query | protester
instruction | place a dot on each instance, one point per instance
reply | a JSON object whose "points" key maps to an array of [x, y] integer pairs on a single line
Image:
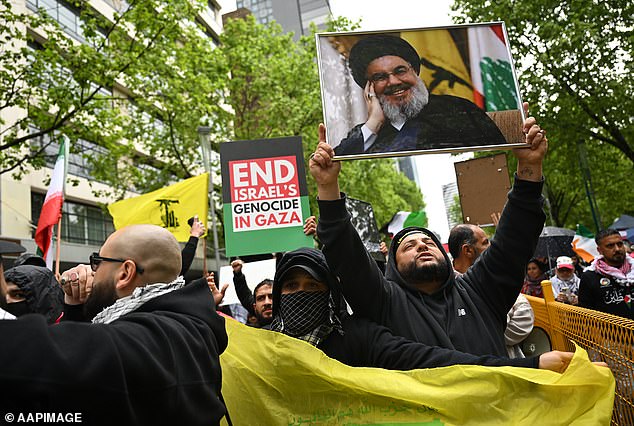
{"points": [[419, 298], [466, 244], [188, 253], [259, 302], [535, 274], [308, 305], [402, 114], [607, 284], [32, 289], [565, 283], [150, 355]]}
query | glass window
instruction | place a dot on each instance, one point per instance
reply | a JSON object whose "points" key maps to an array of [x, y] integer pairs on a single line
{"points": [[81, 223]]}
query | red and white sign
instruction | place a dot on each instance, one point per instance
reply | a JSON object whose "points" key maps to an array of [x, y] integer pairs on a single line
{"points": [[265, 193]]}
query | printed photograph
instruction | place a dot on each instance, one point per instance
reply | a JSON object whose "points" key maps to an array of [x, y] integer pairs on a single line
{"points": [[425, 90]]}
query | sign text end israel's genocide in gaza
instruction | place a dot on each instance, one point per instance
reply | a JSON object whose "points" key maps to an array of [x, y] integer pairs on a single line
{"points": [[265, 193]]}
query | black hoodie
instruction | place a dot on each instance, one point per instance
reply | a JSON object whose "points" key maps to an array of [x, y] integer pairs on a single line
{"points": [[42, 292], [363, 343], [157, 365], [467, 313]]}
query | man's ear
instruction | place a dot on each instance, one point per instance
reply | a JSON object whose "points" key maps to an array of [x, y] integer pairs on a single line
{"points": [[126, 278], [466, 250], [254, 308]]}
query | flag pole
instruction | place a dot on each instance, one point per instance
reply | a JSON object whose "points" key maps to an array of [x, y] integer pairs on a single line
{"points": [[58, 246], [205, 272]]}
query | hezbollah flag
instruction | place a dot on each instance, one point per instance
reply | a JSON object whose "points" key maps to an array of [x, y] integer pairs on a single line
{"points": [[269, 378], [169, 207], [492, 75], [442, 68]]}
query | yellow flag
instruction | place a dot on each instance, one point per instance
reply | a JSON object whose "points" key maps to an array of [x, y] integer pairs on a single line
{"points": [[442, 67], [272, 379], [169, 207]]}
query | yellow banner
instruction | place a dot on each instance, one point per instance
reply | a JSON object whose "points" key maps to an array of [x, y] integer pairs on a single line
{"points": [[169, 207], [442, 67], [272, 379]]}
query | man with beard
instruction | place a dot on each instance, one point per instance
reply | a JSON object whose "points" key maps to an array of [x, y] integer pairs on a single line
{"points": [[466, 243], [259, 303], [419, 297], [308, 306], [402, 115], [607, 284], [150, 355]]}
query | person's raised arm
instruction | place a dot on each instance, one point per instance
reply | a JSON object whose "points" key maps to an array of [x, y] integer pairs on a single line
{"points": [[499, 273], [362, 281], [244, 293]]}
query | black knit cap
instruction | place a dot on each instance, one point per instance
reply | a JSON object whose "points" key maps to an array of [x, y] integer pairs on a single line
{"points": [[369, 48]]}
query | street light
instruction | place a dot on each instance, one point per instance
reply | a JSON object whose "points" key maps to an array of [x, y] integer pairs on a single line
{"points": [[205, 146]]}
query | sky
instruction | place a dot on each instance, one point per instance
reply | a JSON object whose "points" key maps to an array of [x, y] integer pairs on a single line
{"points": [[434, 170]]}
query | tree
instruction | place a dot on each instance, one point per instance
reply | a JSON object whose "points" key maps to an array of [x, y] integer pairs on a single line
{"points": [[272, 89], [575, 68], [128, 83]]}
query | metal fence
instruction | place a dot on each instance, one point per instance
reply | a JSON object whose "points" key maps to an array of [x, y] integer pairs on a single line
{"points": [[605, 337]]}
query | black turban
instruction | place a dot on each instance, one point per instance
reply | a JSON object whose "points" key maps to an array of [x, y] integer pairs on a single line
{"points": [[369, 48]]}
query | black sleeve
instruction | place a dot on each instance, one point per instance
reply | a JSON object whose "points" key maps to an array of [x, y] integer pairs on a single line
{"points": [[74, 313], [352, 143], [188, 253], [245, 295], [382, 349], [587, 294], [362, 282], [498, 275]]}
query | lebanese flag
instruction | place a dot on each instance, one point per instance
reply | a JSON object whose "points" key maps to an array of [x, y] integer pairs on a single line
{"points": [[52, 208], [491, 71]]}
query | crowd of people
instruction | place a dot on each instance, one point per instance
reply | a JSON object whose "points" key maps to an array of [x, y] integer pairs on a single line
{"points": [[125, 340], [605, 285]]}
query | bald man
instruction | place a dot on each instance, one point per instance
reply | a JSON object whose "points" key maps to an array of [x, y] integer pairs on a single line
{"points": [[149, 356]]}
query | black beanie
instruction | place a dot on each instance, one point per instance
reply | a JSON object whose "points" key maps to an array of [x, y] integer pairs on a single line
{"points": [[369, 48]]}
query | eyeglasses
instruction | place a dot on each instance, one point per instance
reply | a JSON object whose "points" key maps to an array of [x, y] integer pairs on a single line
{"points": [[398, 72], [95, 261]]}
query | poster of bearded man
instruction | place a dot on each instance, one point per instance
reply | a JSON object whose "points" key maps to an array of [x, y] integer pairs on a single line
{"points": [[416, 91]]}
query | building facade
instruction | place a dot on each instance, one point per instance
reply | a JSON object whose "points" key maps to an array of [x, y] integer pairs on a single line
{"points": [[85, 223]]}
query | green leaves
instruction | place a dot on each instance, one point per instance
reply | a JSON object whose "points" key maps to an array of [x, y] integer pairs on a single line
{"points": [[575, 67]]}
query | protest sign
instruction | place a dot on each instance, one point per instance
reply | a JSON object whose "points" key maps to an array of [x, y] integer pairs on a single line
{"points": [[265, 197]]}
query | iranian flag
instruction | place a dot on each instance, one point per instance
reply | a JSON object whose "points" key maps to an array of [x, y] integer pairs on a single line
{"points": [[491, 71], [583, 244], [52, 208], [405, 219]]}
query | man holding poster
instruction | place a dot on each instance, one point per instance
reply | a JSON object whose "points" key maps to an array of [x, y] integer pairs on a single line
{"points": [[402, 114], [419, 297]]}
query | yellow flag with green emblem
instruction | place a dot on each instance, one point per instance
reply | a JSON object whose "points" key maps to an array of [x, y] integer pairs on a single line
{"points": [[272, 379], [169, 207]]}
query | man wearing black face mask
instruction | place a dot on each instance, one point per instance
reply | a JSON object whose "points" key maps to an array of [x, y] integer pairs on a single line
{"points": [[32, 289], [307, 305], [6, 247]]}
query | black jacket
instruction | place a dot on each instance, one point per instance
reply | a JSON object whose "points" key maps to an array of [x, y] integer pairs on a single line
{"points": [[445, 122], [363, 343], [158, 365], [605, 294], [367, 344], [467, 313]]}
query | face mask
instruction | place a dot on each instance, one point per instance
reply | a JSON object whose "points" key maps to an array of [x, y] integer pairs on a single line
{"points": [[303, 311], [18, 308]]}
